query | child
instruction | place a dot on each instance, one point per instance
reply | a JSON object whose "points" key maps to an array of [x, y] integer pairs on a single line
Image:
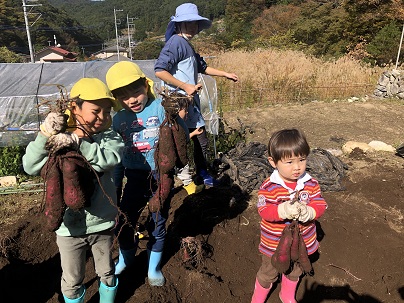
{"points": [[138, 124], [184, 174], [178, 66], [91, 226], [288, 151]]}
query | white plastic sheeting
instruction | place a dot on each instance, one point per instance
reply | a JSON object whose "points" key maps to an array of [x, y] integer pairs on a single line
{"points": [[23, 86], [208, 97]]}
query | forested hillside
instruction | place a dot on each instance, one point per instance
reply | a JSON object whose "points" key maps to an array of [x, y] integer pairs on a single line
{"points": [[151, 16], [367, 30], [45, 22]]}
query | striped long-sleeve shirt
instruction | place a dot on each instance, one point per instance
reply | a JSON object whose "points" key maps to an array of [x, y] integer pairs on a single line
{"points": [[274, 191]]}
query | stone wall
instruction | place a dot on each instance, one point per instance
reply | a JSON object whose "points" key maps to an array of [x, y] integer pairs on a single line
{"points": [[390, 84]]}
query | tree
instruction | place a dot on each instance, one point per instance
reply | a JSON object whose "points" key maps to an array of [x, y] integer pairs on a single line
{"points": [[238, 19], [7, 56], [384, 47], [276, 20], [148, 49]]}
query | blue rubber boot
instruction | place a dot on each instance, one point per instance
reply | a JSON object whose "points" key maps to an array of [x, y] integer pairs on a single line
{"points": [[155, 276], [126, 259], [77, 300], [208, 179], [108, 293]]}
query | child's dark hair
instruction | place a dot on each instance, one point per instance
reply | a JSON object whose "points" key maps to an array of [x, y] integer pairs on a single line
{"points": [[183, 102], [131, 86], [286, 143]]}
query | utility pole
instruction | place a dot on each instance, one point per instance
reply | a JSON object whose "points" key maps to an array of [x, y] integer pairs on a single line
{"points": [[131, 24], [399, 48], [116, 30], [24, 6]]}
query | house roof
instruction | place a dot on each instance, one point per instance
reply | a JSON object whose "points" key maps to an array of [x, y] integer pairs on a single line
{"points": [[111, 49], [69, 56]]}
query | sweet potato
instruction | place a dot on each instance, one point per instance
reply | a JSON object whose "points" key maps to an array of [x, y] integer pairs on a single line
{"points": [[165, 156], [54, 204], [78, 185], [294, 249], [180, 141], [163, 190], [281, 258], [304, 260]]}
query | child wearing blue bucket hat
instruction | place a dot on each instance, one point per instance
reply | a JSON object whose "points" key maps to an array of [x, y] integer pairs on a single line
{"points": [[178, 66]]}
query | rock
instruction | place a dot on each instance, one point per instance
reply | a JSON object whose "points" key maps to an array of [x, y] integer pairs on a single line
{"points": [[349, 146], [335, 152], [381, 146], [8, 181], [383, 80]]}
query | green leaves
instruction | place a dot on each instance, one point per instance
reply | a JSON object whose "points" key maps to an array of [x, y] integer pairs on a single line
{"points": [[384, 47], [11, 160], [7, 56]]}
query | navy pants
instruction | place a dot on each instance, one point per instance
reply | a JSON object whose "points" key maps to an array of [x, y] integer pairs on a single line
{"points": [[138, 190], [200, 150]]}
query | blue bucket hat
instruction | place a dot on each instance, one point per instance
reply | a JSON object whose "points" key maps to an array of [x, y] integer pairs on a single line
{"points": [[187, 12]]}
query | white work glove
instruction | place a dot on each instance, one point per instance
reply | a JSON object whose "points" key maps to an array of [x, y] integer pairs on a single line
{"points": [[286, 210], [307, 213], [54, 123], [63, 140]]}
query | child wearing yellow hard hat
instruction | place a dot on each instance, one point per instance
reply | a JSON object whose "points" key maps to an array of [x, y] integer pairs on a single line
{"points": [[138, 123], [90, 227]]}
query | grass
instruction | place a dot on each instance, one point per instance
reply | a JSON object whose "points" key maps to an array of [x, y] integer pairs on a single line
{"points": [[278, 77]]}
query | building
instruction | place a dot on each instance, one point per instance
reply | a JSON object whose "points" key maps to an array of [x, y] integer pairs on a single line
{"points": [[53, 54], [111, 52]]}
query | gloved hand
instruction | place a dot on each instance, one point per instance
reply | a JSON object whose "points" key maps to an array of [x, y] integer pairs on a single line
{"points": [[54, 123], [307, 213], [286, 210], [62, 140]]}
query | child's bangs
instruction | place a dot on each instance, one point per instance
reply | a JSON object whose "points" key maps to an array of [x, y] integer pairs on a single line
{"points": [[292, 151]]}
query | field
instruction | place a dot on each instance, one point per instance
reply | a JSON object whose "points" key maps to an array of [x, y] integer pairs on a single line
{"points": [[361, 234]]}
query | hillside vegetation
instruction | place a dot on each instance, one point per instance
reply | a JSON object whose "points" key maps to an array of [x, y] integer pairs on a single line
{"points": [[46, 23], [366, 30]]}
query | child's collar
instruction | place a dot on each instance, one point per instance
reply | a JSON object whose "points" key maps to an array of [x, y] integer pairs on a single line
{"points": [[276, 178]]}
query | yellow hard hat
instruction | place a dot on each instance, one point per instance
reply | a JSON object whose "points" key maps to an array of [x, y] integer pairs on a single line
{"points": [[91, 89], [124, 73]]}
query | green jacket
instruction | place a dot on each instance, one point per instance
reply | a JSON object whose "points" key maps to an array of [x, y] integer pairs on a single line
{"points": [[103, 154]]}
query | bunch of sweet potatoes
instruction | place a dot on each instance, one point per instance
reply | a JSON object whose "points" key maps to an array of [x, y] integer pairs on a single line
{"points": [[291, 249], [171, 152], [69, 182]]}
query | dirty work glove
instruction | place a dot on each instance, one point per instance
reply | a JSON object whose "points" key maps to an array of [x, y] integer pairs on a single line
{"points": [[54, 123], [286, 210], [307, 213], [62, 140]]}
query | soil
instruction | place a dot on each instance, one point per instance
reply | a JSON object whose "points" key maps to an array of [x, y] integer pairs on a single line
{"points": [[361, 234]]}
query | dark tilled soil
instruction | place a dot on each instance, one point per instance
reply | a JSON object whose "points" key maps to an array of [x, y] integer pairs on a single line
{"points": [[361, 234]]}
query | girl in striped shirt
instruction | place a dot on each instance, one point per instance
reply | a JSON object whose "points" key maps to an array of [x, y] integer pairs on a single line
{"points": [[288, 150]]}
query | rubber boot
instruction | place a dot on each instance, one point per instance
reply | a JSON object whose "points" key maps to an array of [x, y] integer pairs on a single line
{"points": [[192, 188], [288, 290], [208, 179], [77, 300], [260, 293], [108, 293], [126, 259], [155, 276]]}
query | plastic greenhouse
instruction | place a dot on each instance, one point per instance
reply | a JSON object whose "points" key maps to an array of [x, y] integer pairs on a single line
{"points": [[24, 86]]}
